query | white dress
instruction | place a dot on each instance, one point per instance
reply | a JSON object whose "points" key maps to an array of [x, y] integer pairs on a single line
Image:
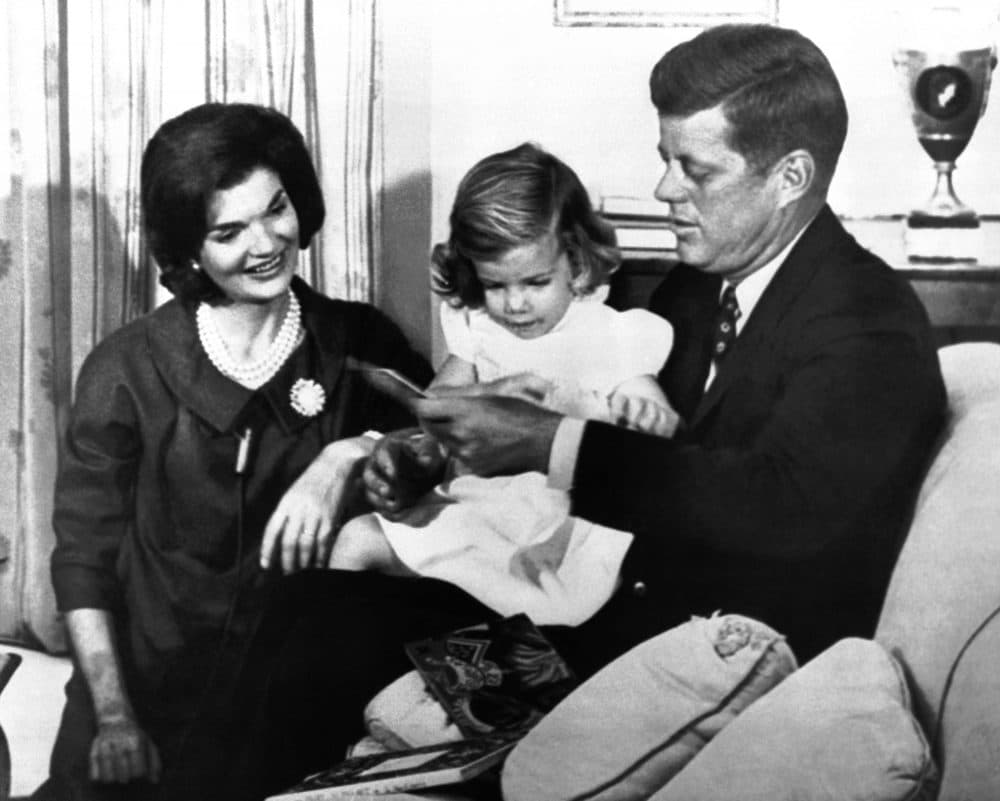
{"points": [[510, 541]]}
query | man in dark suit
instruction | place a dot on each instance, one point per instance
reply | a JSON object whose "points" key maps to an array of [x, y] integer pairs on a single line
{"points": [[803, 368]]}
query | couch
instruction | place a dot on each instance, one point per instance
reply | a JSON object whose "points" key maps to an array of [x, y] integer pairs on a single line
{"points": [[938, 639], [8, 664], [913, 715], [941, 617]]}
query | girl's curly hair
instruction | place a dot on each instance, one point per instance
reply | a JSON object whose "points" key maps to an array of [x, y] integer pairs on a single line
{"points": [[511, 199]]}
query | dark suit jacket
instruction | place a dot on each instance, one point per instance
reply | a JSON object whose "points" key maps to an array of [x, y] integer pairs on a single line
{"points": [[786, 495]]}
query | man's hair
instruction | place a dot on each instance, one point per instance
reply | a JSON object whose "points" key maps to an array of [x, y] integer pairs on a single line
{"points": [[208, 148], [776, 88], [511, 199]]}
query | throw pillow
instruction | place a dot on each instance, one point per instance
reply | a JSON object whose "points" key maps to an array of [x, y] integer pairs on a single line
{"points": [[839, 729], [628, 729]]}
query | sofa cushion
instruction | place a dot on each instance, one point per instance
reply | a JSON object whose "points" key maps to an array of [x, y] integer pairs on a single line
{"points": [[629, 728], [946, 583], [837, 729]]}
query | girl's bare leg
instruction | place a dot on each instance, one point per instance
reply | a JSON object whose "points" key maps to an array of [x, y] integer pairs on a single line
{"points": [[362, 545]]}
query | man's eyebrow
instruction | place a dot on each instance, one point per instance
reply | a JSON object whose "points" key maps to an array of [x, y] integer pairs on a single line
{"points": [[233, 224]]}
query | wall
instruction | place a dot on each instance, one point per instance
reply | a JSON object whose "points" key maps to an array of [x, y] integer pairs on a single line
{"points": [[501, 72], [401, 290]]}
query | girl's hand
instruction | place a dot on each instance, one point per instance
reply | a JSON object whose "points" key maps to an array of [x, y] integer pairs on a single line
{"points": [[122, 752], [300, 532], [642, 414]]}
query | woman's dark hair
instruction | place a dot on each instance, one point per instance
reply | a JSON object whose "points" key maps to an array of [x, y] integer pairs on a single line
{"points": [[207, 148], [777, 89], [511, 199]]}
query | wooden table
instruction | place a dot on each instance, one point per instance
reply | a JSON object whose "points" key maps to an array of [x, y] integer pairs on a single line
{"points": [[962, 298]]}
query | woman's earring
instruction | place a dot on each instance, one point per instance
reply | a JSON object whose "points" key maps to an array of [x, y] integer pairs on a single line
{"points": [[195, 266]]}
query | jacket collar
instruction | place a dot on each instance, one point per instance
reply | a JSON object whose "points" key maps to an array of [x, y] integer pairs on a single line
{"points": [[792, 277], [222, 403]]}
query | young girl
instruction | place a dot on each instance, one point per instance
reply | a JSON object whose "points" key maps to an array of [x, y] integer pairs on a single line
{"points": [[523, 276]]}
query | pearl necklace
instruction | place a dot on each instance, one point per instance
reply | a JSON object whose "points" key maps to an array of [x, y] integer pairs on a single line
{"points": [[253, 374]]}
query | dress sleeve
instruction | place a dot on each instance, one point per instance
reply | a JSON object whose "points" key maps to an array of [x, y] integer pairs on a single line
{"points": [[644, 341], [94, 493], [457, 334]]}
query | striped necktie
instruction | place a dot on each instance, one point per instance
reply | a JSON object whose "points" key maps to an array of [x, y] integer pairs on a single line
{"points": [[725, 324]]}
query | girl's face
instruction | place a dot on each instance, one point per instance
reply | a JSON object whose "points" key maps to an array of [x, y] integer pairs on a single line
{"points": [[252, 243], [528, 289]]}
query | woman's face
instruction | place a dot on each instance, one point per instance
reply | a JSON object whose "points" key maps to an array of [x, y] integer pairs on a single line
{"points": [[252, 243]]}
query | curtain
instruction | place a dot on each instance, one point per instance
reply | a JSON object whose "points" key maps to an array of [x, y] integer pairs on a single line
{"points": [[87, 82]]}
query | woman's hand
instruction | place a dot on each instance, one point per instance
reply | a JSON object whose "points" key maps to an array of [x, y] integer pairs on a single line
{"points": [[642, 414], [300, 532], [122, 752]]}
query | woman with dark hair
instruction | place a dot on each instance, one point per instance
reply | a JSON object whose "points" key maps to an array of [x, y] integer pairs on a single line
{"points": [[185, 490]]}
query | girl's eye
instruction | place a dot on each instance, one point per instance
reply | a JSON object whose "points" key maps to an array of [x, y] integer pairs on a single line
{"points": [[279, 207], [540, 282]]}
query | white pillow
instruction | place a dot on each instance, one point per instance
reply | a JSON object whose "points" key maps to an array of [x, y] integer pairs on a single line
{"points": [[838, 729], [626, 731]]}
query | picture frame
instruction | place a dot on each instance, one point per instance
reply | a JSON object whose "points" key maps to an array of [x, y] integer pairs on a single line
{"points": [[661, 13]]}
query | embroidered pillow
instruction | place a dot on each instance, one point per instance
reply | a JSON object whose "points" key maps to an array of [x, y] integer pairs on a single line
{"points": [[625, 732]]}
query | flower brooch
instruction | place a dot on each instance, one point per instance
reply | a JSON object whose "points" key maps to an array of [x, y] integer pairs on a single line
{"points": [[307, 397]]}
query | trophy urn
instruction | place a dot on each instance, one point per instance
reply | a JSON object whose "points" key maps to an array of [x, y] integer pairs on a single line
{"points": [[947, 83]]}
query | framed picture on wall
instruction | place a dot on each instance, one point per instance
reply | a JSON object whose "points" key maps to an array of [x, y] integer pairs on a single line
{"points": [[700, 13]]}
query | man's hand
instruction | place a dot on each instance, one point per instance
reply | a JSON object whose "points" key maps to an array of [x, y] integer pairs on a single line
{"points": [[122, 752], [301, 530], [523, 385], [491, 435], [404, 466]]}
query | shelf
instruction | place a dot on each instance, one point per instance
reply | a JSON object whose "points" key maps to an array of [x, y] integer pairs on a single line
{"points": [[885, 236]]}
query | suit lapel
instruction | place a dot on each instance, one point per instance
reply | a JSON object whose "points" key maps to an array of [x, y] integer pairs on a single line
{"points": [[689, 303], [752, 345]]}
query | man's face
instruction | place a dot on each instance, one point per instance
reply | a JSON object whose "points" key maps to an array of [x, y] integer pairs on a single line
{"points": [[723, 211]]}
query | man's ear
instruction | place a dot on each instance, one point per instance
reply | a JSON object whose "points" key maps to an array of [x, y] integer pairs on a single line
{"points": [[795, 173]]}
